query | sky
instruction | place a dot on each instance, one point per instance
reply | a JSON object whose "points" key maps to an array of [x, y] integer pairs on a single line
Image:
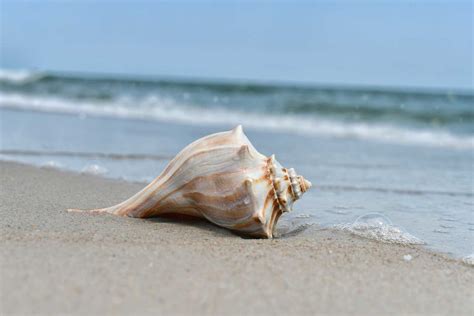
{"points": [[378, 43]]}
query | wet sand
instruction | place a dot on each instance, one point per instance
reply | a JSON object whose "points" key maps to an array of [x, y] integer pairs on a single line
{"points": [[55, 262]]}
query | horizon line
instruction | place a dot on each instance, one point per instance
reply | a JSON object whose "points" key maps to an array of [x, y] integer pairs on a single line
{"points": [[243, 81]]}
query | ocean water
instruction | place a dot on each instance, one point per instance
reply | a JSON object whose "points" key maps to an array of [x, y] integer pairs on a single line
{"points": [[389, 164]]}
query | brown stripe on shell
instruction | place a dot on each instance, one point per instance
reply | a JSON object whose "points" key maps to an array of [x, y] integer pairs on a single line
{"points": [[209, 141], [189, 186], [290, 191], [276, 185], [274, 219], [149, 191], [242, 226], [302, 184]]}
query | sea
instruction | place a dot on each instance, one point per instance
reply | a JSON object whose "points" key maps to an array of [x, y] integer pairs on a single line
{"points": [[391, 164]]}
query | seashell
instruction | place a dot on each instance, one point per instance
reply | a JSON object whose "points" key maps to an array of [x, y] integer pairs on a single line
{"points": [[223, 179]]}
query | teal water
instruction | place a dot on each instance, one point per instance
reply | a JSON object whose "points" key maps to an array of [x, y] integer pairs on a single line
{"points": [[433, 118]]}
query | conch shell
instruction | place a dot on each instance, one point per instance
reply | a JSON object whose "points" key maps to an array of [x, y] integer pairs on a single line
{"points": [[223, 179]]}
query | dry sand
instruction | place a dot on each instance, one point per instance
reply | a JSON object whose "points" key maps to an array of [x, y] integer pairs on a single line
{"points": [[54, 262]]}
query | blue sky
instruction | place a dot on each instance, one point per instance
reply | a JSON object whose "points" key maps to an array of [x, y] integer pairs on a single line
{"points": [[381, 43]]}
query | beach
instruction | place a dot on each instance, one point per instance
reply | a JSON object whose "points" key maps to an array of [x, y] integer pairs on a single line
{"points": [[55, 262], [402, 154], [343, 130]]}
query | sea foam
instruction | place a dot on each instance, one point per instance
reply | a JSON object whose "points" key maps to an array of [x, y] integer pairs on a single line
{"points": [[469, 260], [94, 169], [168, 109], [378, 227]]}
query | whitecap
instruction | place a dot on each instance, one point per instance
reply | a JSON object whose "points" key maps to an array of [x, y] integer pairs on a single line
{"points": [[19, 76], [168, 109]]}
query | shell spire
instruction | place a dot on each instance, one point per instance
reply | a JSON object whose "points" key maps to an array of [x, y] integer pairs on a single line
{"points": [[224, 179]]}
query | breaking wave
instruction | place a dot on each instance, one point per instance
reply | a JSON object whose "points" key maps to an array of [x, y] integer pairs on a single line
{"points": [[19, 76], [168, 109]]}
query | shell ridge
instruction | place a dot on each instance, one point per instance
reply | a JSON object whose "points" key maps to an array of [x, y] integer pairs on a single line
{"points": [[195, 146], [233, 205], [164, 178]]}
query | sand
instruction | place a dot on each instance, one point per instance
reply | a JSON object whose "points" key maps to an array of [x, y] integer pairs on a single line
{"points": [[55, 262]]}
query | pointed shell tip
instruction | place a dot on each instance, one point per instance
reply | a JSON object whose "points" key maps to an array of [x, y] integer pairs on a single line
{"points": [[238, 129]]}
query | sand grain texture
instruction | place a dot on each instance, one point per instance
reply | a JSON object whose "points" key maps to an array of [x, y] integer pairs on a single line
{"points": [[54, 262]]}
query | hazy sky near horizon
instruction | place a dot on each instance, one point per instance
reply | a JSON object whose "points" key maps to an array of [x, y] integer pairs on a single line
{"points": [[383, 43]]}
